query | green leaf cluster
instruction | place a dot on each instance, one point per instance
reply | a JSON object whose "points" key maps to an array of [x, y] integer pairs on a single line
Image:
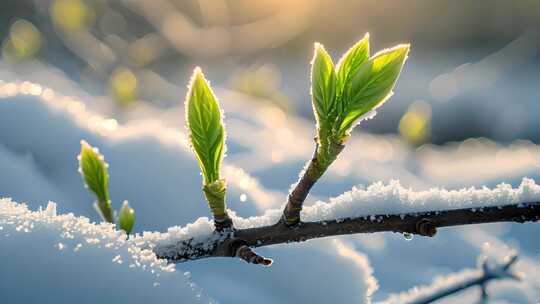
{"points": [[342, 95]]}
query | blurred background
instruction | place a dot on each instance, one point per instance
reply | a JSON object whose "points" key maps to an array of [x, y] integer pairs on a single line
{"points": [[464, 113], [473, 69]]}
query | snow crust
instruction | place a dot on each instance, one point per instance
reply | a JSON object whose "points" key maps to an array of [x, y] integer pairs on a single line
{"points": [[68, 259], [97, 263], [500, 290], [392, 198], [439, 283]]}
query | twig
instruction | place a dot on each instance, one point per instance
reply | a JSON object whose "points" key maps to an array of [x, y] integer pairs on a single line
{"points": [[308, 177], [296, 198], [481, 278], [420, 223]]}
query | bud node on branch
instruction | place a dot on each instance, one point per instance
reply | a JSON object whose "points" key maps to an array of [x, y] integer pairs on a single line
{"points": [[426, 227]]}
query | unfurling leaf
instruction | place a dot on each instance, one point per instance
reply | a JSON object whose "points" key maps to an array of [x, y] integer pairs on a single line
{"points": [[323, 84], [372, 85], [207, 137], [126, 218], [93, 168], [205, 126], [350, 62]]}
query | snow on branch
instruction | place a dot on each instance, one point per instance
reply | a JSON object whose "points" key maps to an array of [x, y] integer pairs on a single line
{"points": [[392, 198], [380, 207], [445, 286]]}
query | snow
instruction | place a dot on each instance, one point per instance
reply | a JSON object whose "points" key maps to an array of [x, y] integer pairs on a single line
{"points": [[132, 272], [440, 283], [377, 199], [387, 199], [67, 259], [392, 198]]}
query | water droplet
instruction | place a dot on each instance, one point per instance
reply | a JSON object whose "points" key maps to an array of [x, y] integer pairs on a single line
{"points": [[243, 197], [408, 236]]}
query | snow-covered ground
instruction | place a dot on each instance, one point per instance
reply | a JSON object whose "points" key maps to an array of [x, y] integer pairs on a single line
{"points": [[50, 258], [152, 167]]}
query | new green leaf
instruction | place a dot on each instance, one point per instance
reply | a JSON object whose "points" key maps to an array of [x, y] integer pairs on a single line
{"points": [[93, 168], [372, 85], [126, 218], [207, 137], [205, 126], [350, 62], [323, 84]]}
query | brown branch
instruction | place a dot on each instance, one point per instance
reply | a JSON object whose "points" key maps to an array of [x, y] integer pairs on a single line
{"points": [[311, 174], [247, 254], [420, 223], [296, 198]]}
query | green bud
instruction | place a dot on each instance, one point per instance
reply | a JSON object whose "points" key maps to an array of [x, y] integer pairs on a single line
{"points": [[126, 219], [205, 125]]}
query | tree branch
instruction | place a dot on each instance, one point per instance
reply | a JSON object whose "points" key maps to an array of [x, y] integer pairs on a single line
{"points": [[226, 244]]}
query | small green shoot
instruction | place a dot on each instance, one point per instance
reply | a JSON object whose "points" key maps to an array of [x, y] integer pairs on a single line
{"points": [[207, 138], [93, 169], [205, 126]]}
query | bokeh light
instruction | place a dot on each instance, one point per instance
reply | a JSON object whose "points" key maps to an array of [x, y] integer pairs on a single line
{"points": [[414, 126], [24, 41], [124, 86], [71, 15]]}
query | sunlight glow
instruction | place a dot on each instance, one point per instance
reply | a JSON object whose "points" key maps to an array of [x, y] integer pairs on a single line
{"points": [[110, 124]]}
